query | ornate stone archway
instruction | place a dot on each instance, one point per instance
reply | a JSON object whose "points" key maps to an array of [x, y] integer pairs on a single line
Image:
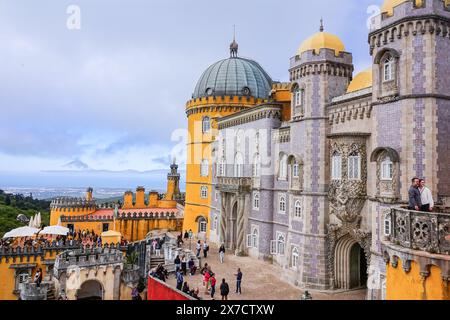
{"points": [[90, 290]]}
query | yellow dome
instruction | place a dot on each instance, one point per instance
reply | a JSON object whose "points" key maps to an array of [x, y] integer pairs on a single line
{"points": [[388, 5], [361, 81], [322, 40]]}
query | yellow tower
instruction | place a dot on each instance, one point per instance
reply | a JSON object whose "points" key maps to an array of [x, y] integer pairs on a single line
{"points": [[226, 87]]}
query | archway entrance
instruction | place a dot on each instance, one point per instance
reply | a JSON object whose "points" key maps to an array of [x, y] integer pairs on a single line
{"points": [[350, 264], [90, 290]]}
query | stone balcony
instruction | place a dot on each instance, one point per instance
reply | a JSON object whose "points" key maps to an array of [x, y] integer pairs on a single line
{"points": [[420, 231], [30, 291], [234, 185]]}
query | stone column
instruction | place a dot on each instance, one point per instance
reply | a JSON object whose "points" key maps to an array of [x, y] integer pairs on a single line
{"points": [[223, 217], [240, 241]]}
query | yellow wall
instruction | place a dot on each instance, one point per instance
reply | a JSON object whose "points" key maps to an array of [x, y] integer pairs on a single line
{"points": [[409, 286], [7, 275]]}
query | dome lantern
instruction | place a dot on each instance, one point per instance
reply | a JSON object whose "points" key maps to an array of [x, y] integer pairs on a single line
{"points": [[322, 40]]}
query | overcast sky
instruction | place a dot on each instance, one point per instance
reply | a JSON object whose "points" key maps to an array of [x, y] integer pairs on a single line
{"points": [[109, 95]]}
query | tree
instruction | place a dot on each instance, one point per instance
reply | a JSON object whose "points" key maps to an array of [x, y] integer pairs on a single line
{"points": [[8, 200]]}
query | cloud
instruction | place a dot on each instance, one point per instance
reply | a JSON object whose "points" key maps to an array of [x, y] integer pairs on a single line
{"points": [[111, 94], [76, 165]]}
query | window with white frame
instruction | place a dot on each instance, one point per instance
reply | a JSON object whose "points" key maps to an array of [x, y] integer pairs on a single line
{"points": [[238, 165], [389, 69], [387, 169], [298, 209], [298, 97], [255, 238], [387, 225], [206, 124], [295, 170], [204, 168], [22, 277], [281, 243], [221, 168], [354, 166], [256, 200], [294, 257], [202, 225], [204, 192], [336, 166], [215, 223], [283, 167], [256, 166], [282, 204]]}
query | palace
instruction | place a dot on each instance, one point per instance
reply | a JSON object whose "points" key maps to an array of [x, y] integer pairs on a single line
{"points": [[136, 216], [313, 174]]}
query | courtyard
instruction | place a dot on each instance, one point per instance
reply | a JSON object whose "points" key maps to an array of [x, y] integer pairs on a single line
{"points": [[261, 280]]}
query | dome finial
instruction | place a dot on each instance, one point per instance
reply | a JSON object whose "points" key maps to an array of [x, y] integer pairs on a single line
{"points": [[234, 46], [321, 25]]}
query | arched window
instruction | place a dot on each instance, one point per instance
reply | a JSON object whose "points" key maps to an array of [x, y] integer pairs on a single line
{"points": [[387, 169], [204, 168], [282, 204], [336, 166], [256, 166], [202, 225], [354, 166], [255, 238], [283, 167], [206, 124], [256, 200], [204, 192], [281, 241], [238, 165], [299, 97], [389, 68], [298, 209], [294, 257], [295, 169]]}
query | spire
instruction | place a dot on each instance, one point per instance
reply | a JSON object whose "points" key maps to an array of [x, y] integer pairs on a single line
{"points": [[321, 25], [234, 46]]}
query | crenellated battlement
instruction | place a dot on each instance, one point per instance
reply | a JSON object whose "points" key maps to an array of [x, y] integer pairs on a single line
{"points": [[86, 258], [213, 101], [72, 203]]}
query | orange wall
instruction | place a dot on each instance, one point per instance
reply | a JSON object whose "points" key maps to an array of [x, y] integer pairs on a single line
{"points": [[409, 286]]}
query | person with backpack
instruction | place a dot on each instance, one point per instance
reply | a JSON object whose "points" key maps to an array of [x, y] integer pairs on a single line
{"points": [[224, 290], [180, 280], [238, 281]]}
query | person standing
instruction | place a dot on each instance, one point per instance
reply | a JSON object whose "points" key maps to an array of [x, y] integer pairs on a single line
{"points": [[154, 245], [191, 265], [206, 278], [177, 263], [414, 196], [180, 280], [186, 235], [191, 234], [38, 277], [426, 197], [238, 281], [224, 290], [222, 253], [212, 280], [205, 249], [199, 248], [158, 248], [184, 264]]}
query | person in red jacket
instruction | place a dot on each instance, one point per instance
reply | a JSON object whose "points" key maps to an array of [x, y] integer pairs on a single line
{"points": [[213, 285]]}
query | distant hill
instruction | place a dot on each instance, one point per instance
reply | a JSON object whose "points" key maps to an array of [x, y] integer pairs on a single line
{"points": [[13, 205]]}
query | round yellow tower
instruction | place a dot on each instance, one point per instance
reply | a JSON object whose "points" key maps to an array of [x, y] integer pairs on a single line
{"points": [[226, 87]]}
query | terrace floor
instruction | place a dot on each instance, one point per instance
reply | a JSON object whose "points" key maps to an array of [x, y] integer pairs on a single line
{"points": [[260, 281]]}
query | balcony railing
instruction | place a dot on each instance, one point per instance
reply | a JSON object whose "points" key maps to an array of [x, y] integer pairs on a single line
{"points": [[233, 184], [423, 231]]}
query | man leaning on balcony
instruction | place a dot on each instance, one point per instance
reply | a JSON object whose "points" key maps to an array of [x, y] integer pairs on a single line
{"points": [[415, 202]]}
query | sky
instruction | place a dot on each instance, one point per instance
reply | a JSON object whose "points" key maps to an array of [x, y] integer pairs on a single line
{"points": [[111, 94]]}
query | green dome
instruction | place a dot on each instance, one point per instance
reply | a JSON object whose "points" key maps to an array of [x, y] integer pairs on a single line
{"points": [[234, 77]]}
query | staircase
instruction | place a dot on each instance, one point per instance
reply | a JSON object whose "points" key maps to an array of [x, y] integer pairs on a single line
{"points": [[51, 291], [155, 261]]}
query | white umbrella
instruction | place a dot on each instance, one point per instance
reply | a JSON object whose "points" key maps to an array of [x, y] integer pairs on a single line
{"points": [[31, 223], [21, 232], [55, 230], [38, 220]]}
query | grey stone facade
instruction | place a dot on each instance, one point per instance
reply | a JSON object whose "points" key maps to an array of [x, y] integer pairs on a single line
{"points": [[404, 120]]}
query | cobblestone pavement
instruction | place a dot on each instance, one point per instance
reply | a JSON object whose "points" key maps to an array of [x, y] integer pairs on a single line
{"points": [[260, 281]]}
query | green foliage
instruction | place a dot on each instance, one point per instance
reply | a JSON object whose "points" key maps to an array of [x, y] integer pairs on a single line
{"points": [[131, 259], [13, 205]]}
